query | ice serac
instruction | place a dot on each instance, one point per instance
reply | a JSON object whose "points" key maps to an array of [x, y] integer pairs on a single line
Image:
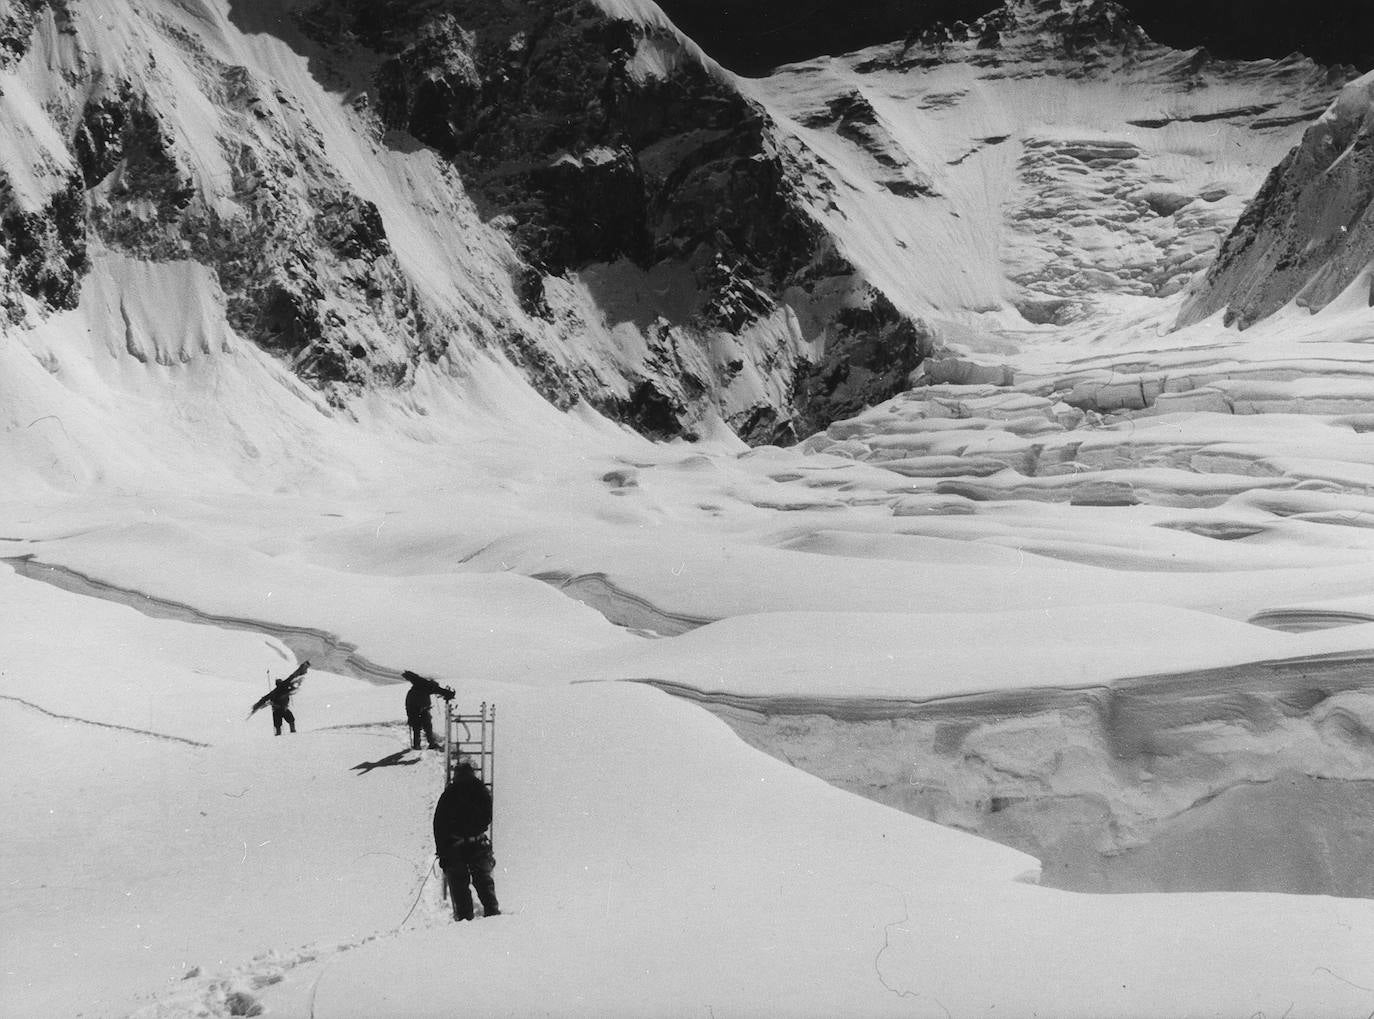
{"points": [[1309, 233]]}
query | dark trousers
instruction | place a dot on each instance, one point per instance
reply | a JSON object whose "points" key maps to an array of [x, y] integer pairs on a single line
{"points": [[471, 863], [423, 725], [280, 715]]}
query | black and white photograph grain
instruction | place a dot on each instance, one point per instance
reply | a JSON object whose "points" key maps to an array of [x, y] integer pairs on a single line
{"points": [[687, 509]]}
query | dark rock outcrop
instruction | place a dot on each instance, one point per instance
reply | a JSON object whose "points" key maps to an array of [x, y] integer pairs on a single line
{"points": [[664, 265], [1088, 35], [870, 355], [306, 272], [42, 250], [599, 141], [540, 106], [17, 18], [42, 253], [99, 142]]}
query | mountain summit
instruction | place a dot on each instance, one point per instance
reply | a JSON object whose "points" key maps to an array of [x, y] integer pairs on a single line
{"points": [[1045, 29]]}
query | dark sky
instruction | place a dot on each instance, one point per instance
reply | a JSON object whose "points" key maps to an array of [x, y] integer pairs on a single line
{"points": [[752, 36]]}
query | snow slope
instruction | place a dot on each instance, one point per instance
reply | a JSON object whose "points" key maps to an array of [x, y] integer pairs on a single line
{"points": [[445, 550], [829, 582], [644, 855]]}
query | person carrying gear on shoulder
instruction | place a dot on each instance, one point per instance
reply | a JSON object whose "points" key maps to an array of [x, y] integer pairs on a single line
{"points": [[280, 699], [418, 714], [461, 819]]}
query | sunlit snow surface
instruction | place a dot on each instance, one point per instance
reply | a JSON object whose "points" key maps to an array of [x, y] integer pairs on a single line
{"points": [[651, 862], [1093, 565]]}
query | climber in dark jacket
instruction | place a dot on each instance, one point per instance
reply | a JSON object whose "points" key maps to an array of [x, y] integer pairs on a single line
{"points": [[461, 819], [418, 711], [280, 698]]}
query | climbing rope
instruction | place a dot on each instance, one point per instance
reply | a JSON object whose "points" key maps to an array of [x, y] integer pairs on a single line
{"points": [[420, 892]]}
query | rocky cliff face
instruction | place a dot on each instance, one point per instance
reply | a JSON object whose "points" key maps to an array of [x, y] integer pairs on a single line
{"points": [[1091, 31], [159, 149], [602, 139], [621, 223], [1309, 233], [16, 28], [612, 149], [42, 245]]}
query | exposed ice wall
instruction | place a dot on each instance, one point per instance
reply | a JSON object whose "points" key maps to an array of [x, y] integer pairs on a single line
{"points": [[1257, 778]]}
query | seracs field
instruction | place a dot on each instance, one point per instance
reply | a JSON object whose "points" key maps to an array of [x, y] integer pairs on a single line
{"points": [[1036, 678]]}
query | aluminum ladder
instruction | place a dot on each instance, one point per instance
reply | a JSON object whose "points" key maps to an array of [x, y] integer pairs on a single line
{"points": [[471, 737]]}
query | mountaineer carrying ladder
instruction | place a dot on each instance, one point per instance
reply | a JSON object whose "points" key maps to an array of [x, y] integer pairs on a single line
{"points": [[280, 699], [463, 815]]}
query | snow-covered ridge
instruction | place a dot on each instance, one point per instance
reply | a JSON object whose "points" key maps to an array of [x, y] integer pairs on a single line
{"points": [[1308, 236]]}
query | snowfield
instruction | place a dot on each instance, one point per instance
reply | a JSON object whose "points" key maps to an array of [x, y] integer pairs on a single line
{"points": [[184, 861], [650, 863], [1043, 689]]}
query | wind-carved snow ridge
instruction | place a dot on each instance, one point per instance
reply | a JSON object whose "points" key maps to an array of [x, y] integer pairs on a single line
{"points": [[1303, 619]]}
